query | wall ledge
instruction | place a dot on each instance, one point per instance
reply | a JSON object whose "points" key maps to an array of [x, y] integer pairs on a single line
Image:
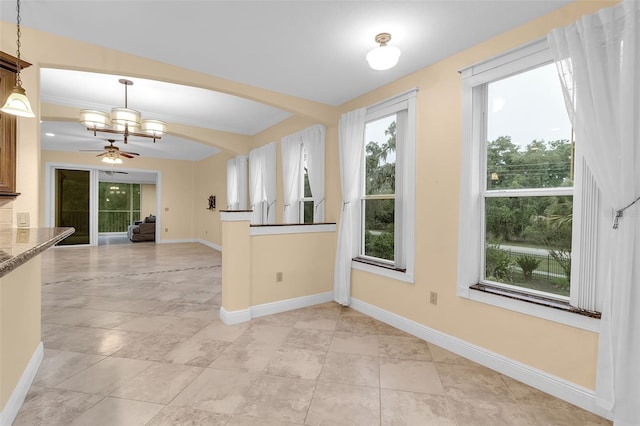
{"points": [[560, 388], [291, 229], [15, 401]]}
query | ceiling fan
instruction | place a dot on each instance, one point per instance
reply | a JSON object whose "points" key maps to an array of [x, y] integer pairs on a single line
{"points": [[113, 172], [111, 154]]}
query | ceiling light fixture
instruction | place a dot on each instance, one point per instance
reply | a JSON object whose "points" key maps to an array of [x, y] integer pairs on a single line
{"points": [[123, 121], [383, 57], [112, 158], [17, 103]]}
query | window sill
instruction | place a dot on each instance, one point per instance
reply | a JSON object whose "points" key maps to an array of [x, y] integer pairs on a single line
{"points": [[381, 269], [539, 307]]}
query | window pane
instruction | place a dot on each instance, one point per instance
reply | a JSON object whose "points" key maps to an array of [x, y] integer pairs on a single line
{"points": [[378, 228], [528, 242], [119, 206], [380, 150], [307, 213], [529, 136]]}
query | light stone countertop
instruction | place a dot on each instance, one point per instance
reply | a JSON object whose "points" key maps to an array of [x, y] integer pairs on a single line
{"points": [[19, 245]]}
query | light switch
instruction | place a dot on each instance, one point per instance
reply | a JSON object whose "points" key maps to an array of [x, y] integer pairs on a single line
{"points": [[23, 220]]}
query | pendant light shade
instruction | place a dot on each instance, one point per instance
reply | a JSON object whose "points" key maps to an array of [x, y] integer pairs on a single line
{"points": [[94, 119], [18, 104], [383, 57], [155, 128], [123, 118]]}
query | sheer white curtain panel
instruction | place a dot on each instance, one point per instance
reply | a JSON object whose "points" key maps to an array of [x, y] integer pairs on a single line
{"points": [[291, 168], [241, 171], [232, 185], [351, 145], [313, 139], [269, 179], [256, 184], [599, 65]]}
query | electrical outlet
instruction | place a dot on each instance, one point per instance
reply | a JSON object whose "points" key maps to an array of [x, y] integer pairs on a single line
{"points": [[166, 229], [278, 277], [433, 298]]}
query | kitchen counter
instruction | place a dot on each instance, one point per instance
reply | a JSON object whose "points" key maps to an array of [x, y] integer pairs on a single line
{"points": [[19, 245]]}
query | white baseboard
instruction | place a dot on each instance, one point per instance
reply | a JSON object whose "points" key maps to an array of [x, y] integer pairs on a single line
{"points": [[210, 244], [15, 401], [236, 317], [181, 240], [553, 385], [290, 304]]}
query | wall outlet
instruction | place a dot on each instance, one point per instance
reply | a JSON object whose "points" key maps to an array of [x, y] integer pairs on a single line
{"points": [[433, 298], [166, 209], [166, 229], [278, 277]]}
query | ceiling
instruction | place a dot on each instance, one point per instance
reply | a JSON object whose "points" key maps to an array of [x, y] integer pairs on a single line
{"points": [[312, 49]]}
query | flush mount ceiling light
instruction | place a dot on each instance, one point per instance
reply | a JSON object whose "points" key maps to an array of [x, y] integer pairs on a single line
{"points": [[123, 121], [383, 57], [17, 103]]}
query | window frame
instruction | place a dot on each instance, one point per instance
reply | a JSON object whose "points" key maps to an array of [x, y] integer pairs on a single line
{"points": [[473, 190], [404, 213], [301, 197]]}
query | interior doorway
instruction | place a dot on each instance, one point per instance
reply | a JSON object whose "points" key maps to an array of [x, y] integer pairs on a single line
{"points": [[101, 204]]}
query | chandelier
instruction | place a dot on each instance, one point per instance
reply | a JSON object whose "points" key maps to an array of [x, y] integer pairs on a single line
{"points": [[122, 121]]}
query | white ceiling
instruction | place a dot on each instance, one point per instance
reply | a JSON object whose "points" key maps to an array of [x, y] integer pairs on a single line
{"points": [[313, 49]]}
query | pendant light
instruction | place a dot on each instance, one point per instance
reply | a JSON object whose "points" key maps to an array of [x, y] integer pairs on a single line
{"points": [[17, 103]]}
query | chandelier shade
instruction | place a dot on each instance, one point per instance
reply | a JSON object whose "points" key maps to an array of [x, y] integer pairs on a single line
{"points": [[155, 128], [94, 119], [123, 121], [123, 118], [383, 57]]}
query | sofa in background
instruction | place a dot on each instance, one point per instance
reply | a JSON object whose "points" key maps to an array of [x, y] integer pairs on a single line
{"points": [[145, 231]]}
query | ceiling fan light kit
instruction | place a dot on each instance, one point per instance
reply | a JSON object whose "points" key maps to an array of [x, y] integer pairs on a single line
{"points": [[123, 121], [383, 57]]}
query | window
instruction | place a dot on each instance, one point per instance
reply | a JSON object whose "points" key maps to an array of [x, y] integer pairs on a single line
{"points": [[306, 197], [520, 163], [119, 206], [387, 193]]}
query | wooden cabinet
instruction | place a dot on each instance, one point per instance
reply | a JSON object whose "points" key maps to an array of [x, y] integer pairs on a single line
{"points": [[8, 127]]}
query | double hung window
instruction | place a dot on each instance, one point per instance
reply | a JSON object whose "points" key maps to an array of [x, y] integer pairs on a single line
{"points": [[517, 232], [387, 193]]}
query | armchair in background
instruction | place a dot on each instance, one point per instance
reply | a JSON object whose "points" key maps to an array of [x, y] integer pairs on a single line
{"points": [[144, 231]]}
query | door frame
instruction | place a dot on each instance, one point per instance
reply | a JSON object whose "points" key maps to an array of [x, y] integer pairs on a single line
{"points": [[50, 196]]}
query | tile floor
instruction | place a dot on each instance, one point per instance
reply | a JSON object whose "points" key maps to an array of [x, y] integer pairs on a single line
{"points": [[132, 337]]}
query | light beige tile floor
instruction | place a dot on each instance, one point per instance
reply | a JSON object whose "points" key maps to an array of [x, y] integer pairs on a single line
{"points": [[132, 337]]}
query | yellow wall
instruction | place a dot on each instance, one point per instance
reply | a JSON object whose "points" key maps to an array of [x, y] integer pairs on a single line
{"points": [[557, 349], [305, 260], [148, 200], [210, 179], [19, 324]]}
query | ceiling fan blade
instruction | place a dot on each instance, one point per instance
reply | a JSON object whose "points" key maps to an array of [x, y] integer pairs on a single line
{"points": [[125, 155], [100, 155], [129, 153], [90, 150]]}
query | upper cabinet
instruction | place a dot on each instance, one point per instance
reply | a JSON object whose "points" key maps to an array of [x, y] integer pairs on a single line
{"points": [[8, 71]]}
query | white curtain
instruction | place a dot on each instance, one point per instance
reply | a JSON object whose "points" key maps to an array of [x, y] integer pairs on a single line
{"points": [[313, 140], [257, 194], [241, 171], [269, 179], [599, 66], [351, 146], [232, 185], [291, 168]]}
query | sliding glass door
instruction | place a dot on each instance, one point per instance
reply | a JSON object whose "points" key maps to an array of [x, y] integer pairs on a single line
{"points": [[73, 204]]}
